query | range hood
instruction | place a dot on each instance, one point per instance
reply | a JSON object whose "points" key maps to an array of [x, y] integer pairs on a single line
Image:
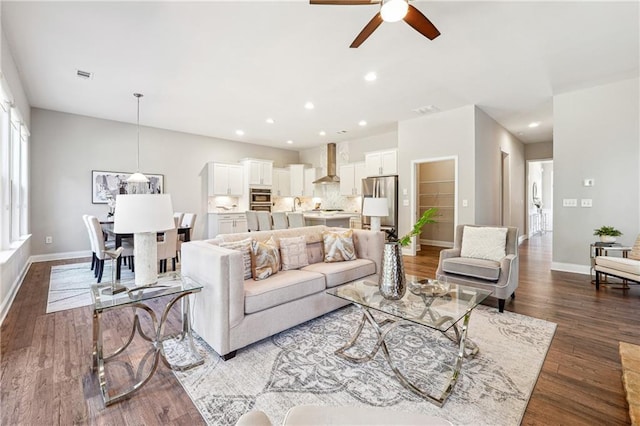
{"points": [[331, 176]]}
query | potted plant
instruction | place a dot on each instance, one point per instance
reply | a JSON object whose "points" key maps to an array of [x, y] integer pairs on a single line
{"points": [[392, 281], [607, 234]]}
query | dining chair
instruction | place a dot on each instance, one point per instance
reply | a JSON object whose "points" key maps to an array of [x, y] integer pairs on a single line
{"points": [[280, 220], [168, 249], [296, 220], [252, 220], [188, 220], [177, 217], [85, 219], [101, 249], [264, 221]]}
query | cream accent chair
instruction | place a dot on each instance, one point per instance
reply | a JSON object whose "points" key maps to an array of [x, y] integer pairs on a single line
{"points": [[626, 268], [309, 415], [498, 276]]}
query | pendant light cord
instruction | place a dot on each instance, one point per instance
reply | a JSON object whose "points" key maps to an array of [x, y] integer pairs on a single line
{"points": [[138, 95]]}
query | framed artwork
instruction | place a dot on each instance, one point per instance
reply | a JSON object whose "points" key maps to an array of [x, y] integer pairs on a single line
{"points": [[106, 185]]}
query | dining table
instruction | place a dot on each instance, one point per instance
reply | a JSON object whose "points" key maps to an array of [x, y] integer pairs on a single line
{"points": [[107, 230]]}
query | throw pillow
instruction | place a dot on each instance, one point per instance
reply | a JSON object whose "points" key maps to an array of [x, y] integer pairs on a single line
{"points": [[635, 250], [265, 260], [484, 243], [245, 247], [338, 246], [293, 252]]}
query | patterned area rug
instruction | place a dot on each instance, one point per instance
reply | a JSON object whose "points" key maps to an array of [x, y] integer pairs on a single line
{"points": [[298, 366], [69, 285]]}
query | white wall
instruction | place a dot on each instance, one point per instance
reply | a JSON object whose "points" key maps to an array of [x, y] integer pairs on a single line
{"points": [[446, 134], [596, 135], [67, 147], [11, 76]]}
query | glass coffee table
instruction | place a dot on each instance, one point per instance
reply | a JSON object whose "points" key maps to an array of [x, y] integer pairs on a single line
{"points": [[446, 310]]}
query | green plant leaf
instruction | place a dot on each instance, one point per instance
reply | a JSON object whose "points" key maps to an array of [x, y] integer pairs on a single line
{"points": [[427, 217]]}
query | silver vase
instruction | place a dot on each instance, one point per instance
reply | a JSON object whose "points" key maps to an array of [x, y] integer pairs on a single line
{"points": [[392, 283]]}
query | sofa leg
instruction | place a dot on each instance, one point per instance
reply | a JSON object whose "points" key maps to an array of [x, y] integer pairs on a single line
{"points": [[500, 305], [597, 280], [228, 356], [513, 295]]}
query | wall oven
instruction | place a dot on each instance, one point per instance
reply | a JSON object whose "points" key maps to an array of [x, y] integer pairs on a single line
{"points": [[260, 199]]}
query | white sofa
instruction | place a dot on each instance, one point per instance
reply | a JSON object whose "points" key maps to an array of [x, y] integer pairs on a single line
{"points": [[231, 313]]}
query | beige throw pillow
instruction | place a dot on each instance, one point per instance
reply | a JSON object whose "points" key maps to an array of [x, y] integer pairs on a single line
{"points": [[635, 250], [338, 246], [265, 260], [293, 252], [245, 247], [484, 243]]}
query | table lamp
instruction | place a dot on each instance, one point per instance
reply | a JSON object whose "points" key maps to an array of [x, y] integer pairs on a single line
{"points": [[144, 215], [375, 208]]}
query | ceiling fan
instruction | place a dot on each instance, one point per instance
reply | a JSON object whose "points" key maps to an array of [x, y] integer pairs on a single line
{"points": [[390, 11]]}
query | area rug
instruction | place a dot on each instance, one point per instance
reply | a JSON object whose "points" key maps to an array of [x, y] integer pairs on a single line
{"points": [[299, 366], [69, 285]]}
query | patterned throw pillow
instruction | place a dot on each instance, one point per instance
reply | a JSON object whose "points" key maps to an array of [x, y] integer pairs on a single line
{"points": [[245, 247], [338, 246], [293, 252], [484, 243], [265, 260]]}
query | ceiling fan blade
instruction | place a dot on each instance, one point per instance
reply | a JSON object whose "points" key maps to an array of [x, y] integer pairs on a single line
{"points": [[345, 2], [420, 23], [367, 30]]}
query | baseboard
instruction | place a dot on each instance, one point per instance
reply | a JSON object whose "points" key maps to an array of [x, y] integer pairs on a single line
{"points": [[15, 286], [437, 243], [59, 256], [571, 267]]}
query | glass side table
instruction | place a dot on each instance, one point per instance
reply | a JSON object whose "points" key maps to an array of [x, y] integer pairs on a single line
{"points": [[175, 288]]}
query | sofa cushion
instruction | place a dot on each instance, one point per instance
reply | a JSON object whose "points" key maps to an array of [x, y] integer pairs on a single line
{"points": [[338, 245], [265, 259], [338, 273], [484, 243], [293, 252], [280, 288], [630, 266], [468, 266], [635, 250], [243, 246]]}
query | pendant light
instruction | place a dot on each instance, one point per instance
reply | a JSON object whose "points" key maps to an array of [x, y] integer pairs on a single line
{"points": [[138, 177]]}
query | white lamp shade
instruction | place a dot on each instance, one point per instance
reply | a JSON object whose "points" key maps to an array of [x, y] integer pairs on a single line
{"points": [[136, 213], [137, 177], [376, 207]]}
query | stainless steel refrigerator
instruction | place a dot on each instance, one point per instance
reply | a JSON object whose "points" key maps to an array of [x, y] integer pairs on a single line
{"points": [[382, 186]]}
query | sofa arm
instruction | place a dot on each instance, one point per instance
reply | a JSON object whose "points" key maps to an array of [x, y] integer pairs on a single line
{"points": [[369, 245], [220, 305]]}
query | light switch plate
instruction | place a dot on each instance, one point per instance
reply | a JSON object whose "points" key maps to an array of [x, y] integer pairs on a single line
{"points": [[405, 202], [569, 202], [586, 202], [465, 203]]}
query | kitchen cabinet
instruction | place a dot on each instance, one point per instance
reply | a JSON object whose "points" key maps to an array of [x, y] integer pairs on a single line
{"points": [[226, 223], [381, 163], [281, 183], [351, 176], [310, 175], [225, 179], [297, 179], [258, 172]]}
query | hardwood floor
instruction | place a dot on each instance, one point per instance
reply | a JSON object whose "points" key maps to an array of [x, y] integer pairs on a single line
{"points": [[45, 375]]}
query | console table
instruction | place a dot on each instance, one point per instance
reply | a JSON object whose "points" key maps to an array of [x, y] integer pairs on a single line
{"points": [[171, 286]]}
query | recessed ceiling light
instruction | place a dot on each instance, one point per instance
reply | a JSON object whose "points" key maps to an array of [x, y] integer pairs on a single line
{"points": [[309, 105], [322, 133], [534, 124], [239, 132], [362, 123], [270, 120], [289, 141], [370, 76]]}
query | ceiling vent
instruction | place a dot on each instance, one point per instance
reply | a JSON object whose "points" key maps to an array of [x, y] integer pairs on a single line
{"points": [[427, 109], [341, 132], [84, 74]]}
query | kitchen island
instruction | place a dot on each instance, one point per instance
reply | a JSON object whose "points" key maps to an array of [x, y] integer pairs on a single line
{"points": [[341, 220]]}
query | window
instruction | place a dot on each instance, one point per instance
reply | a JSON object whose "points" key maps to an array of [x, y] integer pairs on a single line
{"points": [[14, 187]]}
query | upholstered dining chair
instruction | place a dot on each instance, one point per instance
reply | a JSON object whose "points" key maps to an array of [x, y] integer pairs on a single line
{"points": [[177, 218], [280, 220], [189, 220], [100, 249], [168, 249], [264, 221], [296, 220], [85, 219]]}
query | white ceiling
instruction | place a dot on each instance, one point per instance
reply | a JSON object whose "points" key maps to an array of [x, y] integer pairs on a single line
{"points": [[211, 68]]}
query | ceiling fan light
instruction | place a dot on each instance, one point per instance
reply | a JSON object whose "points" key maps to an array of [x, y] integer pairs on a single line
{"points": [[394, 10]]}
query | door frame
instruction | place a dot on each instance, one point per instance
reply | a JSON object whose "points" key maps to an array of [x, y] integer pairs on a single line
{"points": [[413, 202]]}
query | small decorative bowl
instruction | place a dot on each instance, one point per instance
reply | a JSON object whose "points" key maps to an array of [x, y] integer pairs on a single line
{"points": [[432, 288]]}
